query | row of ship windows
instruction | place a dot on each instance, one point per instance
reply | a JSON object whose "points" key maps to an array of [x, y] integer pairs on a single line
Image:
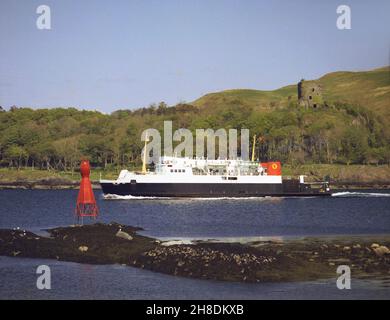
{"points": [[177, 170]]}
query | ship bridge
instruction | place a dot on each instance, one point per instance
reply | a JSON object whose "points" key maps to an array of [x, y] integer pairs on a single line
{"points": [[204, 166]]}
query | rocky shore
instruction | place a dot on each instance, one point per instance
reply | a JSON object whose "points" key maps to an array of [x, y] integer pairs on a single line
{"points": [[44, 184], [258, 261]]}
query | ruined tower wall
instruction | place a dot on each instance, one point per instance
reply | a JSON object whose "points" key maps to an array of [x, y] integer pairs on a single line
{"points": [[310, 94]]}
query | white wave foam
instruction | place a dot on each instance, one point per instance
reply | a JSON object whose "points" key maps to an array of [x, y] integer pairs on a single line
{"points": [[228, 198], [345, 194], [129, 197], [168, 241], [176, 242], [360, 194], [118, 197]]}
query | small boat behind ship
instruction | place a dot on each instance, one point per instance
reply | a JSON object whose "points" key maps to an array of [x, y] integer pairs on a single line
{"points": [[200, 177]]}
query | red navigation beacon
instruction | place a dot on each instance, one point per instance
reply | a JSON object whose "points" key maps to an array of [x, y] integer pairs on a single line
{"points": [[86, 203]]}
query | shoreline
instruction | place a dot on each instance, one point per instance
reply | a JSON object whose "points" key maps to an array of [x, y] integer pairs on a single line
{"points": [[262, 260], [341, 176]]}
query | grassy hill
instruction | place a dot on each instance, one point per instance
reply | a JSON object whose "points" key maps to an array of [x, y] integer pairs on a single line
{"points": [[255, 98], [370, 89], [337, 134]]}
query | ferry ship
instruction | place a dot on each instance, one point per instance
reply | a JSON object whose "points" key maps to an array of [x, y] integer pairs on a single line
{"points": [[199, 177]]}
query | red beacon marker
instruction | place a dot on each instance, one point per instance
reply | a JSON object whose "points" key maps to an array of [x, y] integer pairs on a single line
{"points": [[86, 203]]}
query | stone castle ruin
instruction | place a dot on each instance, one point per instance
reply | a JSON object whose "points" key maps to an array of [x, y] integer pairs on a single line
{"points": [[310, 94]]}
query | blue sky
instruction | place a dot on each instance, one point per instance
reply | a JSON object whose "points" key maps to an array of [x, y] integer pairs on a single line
{"points": [[107, 55]]}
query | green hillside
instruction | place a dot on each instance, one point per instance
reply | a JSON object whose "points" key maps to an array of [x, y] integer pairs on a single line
{"points": [[370, 89], [253, 98], [351, 128]]}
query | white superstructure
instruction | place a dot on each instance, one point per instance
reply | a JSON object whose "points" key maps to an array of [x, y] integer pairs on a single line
{"points": [[200, 170]]}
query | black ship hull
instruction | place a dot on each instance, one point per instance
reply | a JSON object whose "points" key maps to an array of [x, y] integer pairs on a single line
{"points": [[212, 190]]}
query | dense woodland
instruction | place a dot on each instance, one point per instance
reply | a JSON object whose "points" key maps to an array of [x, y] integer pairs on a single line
{"points": [[56, 139]]}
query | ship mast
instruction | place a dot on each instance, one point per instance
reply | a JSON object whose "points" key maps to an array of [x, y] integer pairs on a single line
{"points": [[253, 148], [144, 157]]}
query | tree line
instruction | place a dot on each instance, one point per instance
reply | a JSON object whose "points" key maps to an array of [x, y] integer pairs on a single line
{"points": [[56, 139]]}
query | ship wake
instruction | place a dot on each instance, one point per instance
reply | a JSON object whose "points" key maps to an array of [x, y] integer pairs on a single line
{"points": [[348, 194], [345, 194], [118, 197], [129, 197]]}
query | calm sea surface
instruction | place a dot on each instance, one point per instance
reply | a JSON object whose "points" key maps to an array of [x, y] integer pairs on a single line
{"points": [[363, 213]]}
